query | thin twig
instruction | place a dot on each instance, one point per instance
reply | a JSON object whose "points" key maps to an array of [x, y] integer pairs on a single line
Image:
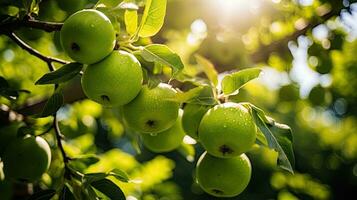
{"points": [[52, 68], [33, 51], [59, 137], [42, 25]]}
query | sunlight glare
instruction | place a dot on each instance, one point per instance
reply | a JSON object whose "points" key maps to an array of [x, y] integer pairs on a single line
{"points": [[234, 7]]}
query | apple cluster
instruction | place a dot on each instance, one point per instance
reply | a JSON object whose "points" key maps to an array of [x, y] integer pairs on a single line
{"points": [[114, 78], [226, 131]]}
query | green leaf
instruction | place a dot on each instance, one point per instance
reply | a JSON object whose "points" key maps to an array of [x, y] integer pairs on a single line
{"points": [[53, 104], [131, 21], [66, 194], [153, 18], [285, 158], [164, 55], [260, 112], [86, 159], [199, 95], [284, 136], [91, 177], [43, 195], [109, 188], [208, 69], [119, 174], [231, 83], [116, 173], [61, 75], [261, 140]]}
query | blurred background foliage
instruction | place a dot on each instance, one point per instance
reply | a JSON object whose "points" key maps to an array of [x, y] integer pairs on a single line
{"points": [[307, 50]]}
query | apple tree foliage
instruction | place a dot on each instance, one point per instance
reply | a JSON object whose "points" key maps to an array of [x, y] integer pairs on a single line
{"points": [[83, 172]]}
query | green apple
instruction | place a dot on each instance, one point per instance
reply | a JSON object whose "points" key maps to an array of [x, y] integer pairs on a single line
{"points": [[7, 135], [223, 177], [88, 36], [153, 110], [192, 117], [227, 130], [114, 81], [167, 140], [27, 158]]}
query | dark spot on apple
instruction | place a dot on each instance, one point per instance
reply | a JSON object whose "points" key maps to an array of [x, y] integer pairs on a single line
{"points": [[217, 191], [75, 47], [105, 98], [150, 123], [224, 149]]}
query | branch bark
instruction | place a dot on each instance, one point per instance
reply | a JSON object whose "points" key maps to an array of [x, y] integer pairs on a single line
{"points": [[13, 24]]}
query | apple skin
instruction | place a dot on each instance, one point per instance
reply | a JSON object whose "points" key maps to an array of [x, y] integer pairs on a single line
{"points": [[227, 130], [153, 110], [88, 36], [114, 81], [8, 134], [192, 117], [167, 140], [27, 159], [223, 177]]}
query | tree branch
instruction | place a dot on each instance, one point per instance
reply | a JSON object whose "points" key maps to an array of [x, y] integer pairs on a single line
{"points": [[15, 23], [32, 51]]}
